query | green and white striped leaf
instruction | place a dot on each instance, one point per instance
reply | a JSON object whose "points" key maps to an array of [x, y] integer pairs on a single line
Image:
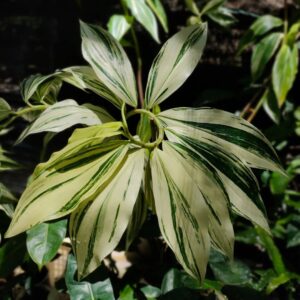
{"points": [[225, 130], [145, 16], [174, 63], [110, 63], [231, 174], [60, 116], [160, 13], [213, 192], [71, 176], [118, 26], [84, 78], [41, 88], [211, 5], [96, 227], [284, 71], [44, 240], [263, 52], [182, 213]]}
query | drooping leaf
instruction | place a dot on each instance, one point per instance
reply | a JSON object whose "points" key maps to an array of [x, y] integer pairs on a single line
{"points": [[39, 86], [259, 28], [160, 13], [44, 240], [226, 131], [145, 16], [270, 105], [263, 52], [7, 208], [5, 109], [174, 63], [96, 227], [5, 195], [110, 63], [182, 213], [211, 5], [61, 116], [118, 26], [284, 71], [83, 290], [71, 176], [6, 163]]}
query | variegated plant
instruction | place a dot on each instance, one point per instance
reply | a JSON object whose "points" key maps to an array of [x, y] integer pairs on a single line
{"points": [[190, 166]]}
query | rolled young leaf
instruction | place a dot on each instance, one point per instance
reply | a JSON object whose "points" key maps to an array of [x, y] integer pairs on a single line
{"points": [[174, 63], [96, 227], [118, 26], [61, 116], [145, 16], [182, 213], [110, 63]]}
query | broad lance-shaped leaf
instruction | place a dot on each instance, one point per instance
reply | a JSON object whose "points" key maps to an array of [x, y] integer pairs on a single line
{"points": [[44, 240], [118, 26], [71, 176], [63, 115], [160, 13], [182, 213], [212, 191], [110, 63], [263, 53], [144, 15], [224, 130], [174, 63], [230, 173], [284, 71], [96, 227]]}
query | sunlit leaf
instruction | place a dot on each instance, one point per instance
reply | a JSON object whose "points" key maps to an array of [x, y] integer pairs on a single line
{"points": [[174, 63], [97, 226], [5, 109], [110, 63], [160, 13]]}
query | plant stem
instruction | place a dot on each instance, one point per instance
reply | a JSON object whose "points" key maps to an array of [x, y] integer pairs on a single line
{"points": [[286, 24], [29, 109], [255, 110]]}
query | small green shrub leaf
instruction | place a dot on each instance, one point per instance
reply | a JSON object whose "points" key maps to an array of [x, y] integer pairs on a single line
{"points": [[118, 26], [263, 52], [211, 5], [141, 11], [270, 105], [84, 290], [284, 71], [222, 16], [259, 28], [110, 63], [5, 109], [174, 63], [96, 227], [44, 240]]}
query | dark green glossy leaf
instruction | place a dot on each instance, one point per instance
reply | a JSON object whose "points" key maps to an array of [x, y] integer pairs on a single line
{"points": [[178, 279], [44, 240], [263, 52], [83, 290]]}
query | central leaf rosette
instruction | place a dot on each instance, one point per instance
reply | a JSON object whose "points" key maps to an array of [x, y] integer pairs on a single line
{"points": [[191, 170]]}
